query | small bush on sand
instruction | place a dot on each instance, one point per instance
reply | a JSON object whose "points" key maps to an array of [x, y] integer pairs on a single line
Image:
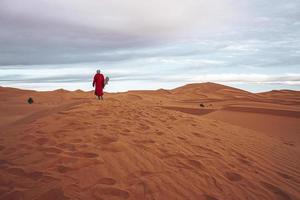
{"points": [[202, 105], [30, 100]]}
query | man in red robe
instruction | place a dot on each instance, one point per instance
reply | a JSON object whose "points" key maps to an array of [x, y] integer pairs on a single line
{"points": [[99, 83]]}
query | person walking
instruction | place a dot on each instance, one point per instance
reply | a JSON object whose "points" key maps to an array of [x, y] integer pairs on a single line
{"points": [[99, 83]]}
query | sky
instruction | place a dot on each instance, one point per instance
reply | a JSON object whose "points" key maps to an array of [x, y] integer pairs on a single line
{"points": [[51, 44]]}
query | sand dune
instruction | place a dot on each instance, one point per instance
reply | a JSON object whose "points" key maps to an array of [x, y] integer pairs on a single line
{"points": [[150, 144]]}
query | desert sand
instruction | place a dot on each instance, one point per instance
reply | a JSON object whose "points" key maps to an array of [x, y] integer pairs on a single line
{"points": [[150, 144]]}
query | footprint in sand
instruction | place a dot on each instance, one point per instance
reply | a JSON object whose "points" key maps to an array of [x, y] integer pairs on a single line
{"points": [[16, 171], [106, 181], [76, 140], [2, 147], [143, 127], [284, 175], [233, 176], [162, 120], [280, 194], [51, 150], [67, 146], [83, 146], [13, 195], [208, 151], [107, 139], [172, 118], [63, 169], [181, 138], [242, 158], [209, 197], [84, 154], [159, 132], [100, 192], [55, 193], [27, 137], [63, 113], [35, 175], [113, 148], [41, 141], [3, 163], [217, 139], [103, 126], [198, 135], [98, 134], [289, 143], [214, 124], [196, 163], [144, 141], [125, 132], [40, 132], [9, 150], [244, 161], [4, 190], [179, 161]]}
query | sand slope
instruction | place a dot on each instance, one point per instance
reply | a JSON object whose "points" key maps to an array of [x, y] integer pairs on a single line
{"points": [[150, 144]]}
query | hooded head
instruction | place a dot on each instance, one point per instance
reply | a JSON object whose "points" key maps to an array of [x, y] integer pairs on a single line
{"points": [[98, 71]]}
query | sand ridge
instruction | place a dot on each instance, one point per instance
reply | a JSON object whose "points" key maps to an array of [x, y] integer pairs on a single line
{"points": [[149, 145]]}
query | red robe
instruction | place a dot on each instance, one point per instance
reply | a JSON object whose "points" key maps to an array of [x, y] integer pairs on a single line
{"points": [[99, 82]]}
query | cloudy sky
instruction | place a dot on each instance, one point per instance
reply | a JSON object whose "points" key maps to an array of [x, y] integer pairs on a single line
{"points": [[50, 44]]}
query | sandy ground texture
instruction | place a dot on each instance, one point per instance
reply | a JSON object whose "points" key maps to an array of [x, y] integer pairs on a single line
{"points": [[200, 141]]}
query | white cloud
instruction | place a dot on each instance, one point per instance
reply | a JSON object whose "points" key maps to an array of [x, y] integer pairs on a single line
{"points": [[151, 18], [250, 41], [290, 79]]}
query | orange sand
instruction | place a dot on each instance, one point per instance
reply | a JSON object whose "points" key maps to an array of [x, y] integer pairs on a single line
{"points": [[150, 144]]}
